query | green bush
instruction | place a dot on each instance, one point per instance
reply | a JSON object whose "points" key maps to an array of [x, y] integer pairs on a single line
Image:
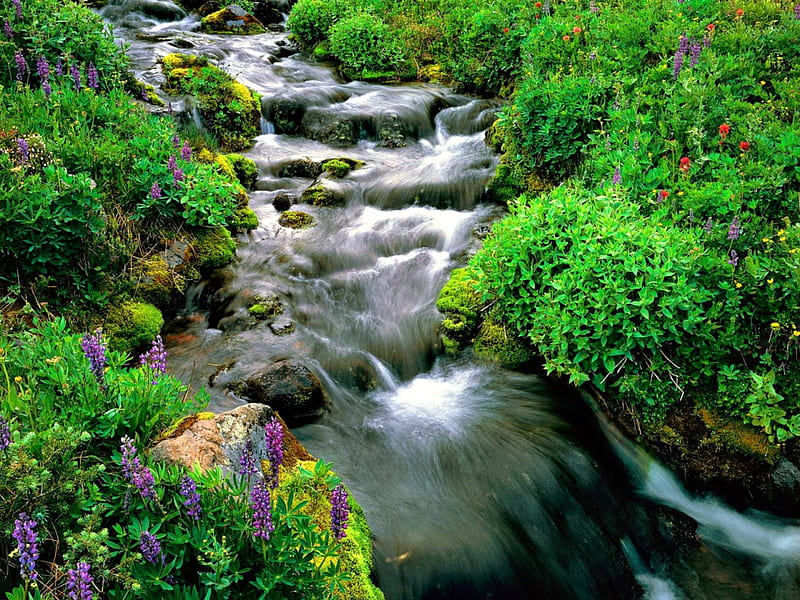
{"points": [[310, 20], [245, 169], [365, 46]]}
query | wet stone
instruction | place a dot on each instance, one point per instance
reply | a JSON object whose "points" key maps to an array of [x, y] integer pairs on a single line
{"points": [[290, 388], [283, 201], [282, 325]]}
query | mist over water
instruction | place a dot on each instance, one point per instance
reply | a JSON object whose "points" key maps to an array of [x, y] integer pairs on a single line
{"points": [[477, 482]]}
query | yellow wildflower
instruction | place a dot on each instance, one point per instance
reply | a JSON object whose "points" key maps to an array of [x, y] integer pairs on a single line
{"points": [[775, 325], [738, 285], [770, 281], [796, 333]]}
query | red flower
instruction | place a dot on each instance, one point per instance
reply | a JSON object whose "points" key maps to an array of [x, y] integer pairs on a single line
{"points": [[739, 12], [538, 5], [505, 29], [710, 26], [685, 164], [576, 30], [664, 194], [724, 130], [565, 38], [744, 146]]}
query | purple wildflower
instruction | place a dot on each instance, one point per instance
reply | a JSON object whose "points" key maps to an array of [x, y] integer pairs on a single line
{"points": [[617, 177], [95, 350], [339, 512], [155, 191], [178, 176], [734, 231], [273, 431], [186, 152], [156, 358], [5, 435], [694, 53], [707, 41], [677, 64], [593, 6], [191, 501], [27, 546], [262, 511], [172, 163], [76, 76], [22, 66], [43, 68], [17, 8], [8, 30], [592, 55], [247, 461], [797, 12], [135, 472], [145, 95], [150, 548], [176, 140], [734, 258], [60, 67], [23, 149], [79, 582], [47, 88], [683, 44], [92, 77], [709, 225]]}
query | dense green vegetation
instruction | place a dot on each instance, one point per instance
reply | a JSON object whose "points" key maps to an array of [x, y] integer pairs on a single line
{"points": [[651, 162]]}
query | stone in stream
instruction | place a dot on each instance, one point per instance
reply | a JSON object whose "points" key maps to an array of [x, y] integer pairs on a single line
{"points": [[286, 115], [232, 19], [290, 388], [321, 195], [209, 440], [331, 129], [300, 167], [283, 201]]}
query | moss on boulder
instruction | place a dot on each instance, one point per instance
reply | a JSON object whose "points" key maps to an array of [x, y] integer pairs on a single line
{"points": [[336, 168], [245, 169], [266, 308], [132, 325], [295, 219], [231, 20], [157, 283], [460, 303], [319, 195], [243, 219], [213, 248], [496, 343]]}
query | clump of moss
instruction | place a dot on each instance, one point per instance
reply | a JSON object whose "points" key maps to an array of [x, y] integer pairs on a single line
{"points": [[230, 110], [336, 168], [308, 485], [231, 20], [494, 342], [207, 157], [245, 170], [243, 219], [213, 248], [319, 195], [460, 303], [739, 437], [157, 283], [295, 219], [148, 93], [434, 74], [132, 325], [266, 308]]}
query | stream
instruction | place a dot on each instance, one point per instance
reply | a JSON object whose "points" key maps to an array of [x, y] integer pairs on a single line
{"points": [[478, 482]]}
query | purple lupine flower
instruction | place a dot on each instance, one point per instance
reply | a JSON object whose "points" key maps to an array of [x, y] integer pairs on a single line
{"points": [[95, 350], [734, 258], [178, 176], [592, 55], [5, 435], [8, 30], [172, 162], [339, 512], [191, 499], [155, 359], [262, 511], [694, 53], [247, 461], [17, 7], [92, 77], [593, 6], [23, 149], [273, 431], [150, 548], [27, 545], [709, 225], [59, 67], [683, 44], [76, 76], [616, 179], [43, 68], [135, 472], [677, 64], [22, 66], [145, 95], [176, 141], [47, 88], [79, 582], [797, 12], [186, 151], [734, 230], [155, 191]]}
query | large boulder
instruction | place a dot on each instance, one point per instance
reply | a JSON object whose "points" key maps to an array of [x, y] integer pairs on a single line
{"points": [[289, 387], [232, 19], [210, 440]]}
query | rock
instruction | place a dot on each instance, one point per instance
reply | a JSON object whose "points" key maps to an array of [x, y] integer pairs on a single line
{"points": [[282, 326], [283, 201], [300, 167], [217, 441], [266, 308], [267, 14], [295, 219], [334, 130], [289, 387], [232, 19], [286, 115], [392, 134], [320, 195], [786, 476]]}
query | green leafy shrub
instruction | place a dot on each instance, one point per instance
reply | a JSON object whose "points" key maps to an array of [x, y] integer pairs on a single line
{"points": [[366, 48], [310, 20], [245, 170]]}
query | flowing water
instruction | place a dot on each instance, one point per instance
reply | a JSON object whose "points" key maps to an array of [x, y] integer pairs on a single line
{"points": [[478, 482]]}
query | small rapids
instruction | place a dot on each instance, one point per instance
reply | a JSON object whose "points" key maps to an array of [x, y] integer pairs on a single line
{"points": [[478, 482]]}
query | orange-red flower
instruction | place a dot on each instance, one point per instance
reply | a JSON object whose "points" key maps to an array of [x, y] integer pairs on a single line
{"points": [[664, 194], [724, 130], [710, 26], [744, 146], [576, 30], [685, 164], [505, 29], [565, 38], [739, 12]]}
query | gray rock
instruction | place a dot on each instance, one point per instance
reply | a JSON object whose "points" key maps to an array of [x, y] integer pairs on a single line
{"points": [[291, 389], [237, 10], [786, 476]]}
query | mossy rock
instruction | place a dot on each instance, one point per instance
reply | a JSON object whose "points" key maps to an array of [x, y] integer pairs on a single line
{"points": [[460, 303], [245, 169], [310, 485], [207, 157], [283, 201], [148, 94], [266, 308], [504, 185], [739, 437], [322, 51], [300, 167], [433, 74], [319, 195], [213, 248], [231, 20], [336, 168], [177, 60], [158, 284], [131, 326], [295, 219], [496, 343], [243, 219]]}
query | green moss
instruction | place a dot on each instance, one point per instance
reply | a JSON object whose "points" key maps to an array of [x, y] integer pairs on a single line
{"points": [[355, 554], [208, 157], [295, 219], [157, 284], [224, 21], [213, 248], [739, 437], [148, 93], [245, 169], [319, 195], [336, 167], [460, 303], [243, 219], [132, 325], [265, 309], [322, 51], [494, 342]]}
